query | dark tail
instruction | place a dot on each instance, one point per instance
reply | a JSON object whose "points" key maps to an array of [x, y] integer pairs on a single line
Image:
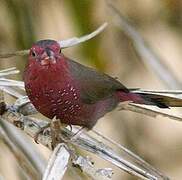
{"points": [[156, 101], [147, 99]]}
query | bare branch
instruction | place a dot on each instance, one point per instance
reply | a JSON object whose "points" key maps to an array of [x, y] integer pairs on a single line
{"points": [[10, 82], [23, 162], [133, 155], [58, 163], [146, 110], [86, 165], [9, 71], [22, 143], [76, 40], [14, 53], [64, 44], [32, 125]]}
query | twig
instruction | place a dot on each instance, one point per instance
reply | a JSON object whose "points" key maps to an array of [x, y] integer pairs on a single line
{"points": [[76, 40], [149, 111], [57, 164], [11, 91], [64, 44], [24, 144], [136, 157], [14, 53], [86, 165], [32, 125], [9, 82], [9, 71], [22, 160]]}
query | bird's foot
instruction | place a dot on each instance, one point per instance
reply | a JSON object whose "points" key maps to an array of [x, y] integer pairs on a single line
{"points": [[54, 126], [40, 131]]}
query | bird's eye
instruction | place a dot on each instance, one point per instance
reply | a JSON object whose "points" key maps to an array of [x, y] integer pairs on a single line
{"points": [[33, 53], [60, 50]]}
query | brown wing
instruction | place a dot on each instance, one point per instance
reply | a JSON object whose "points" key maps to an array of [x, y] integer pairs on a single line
{"points": [[95, 85]]}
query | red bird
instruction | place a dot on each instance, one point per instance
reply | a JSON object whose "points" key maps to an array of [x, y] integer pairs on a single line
{"points": [[75, 94]]}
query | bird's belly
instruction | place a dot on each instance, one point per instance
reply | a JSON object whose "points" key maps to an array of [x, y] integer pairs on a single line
{"points": [[85, 114], [66, 104]]}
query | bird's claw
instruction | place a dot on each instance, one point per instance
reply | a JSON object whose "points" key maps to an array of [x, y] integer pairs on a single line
{"points": [[40, 131]]}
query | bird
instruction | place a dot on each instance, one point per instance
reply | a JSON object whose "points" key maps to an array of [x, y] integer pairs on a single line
{"points": [[73, 93]]}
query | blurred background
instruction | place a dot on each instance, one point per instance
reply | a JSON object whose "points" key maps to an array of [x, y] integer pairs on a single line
{"points": [[158, 141]]}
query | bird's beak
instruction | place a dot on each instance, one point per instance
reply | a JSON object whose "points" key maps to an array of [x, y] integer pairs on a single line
{"points": [[47, 57]]}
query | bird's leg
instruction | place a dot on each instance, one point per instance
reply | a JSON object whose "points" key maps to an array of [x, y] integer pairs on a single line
{"points": [[55, 131], [40, 131], [54, 126]]}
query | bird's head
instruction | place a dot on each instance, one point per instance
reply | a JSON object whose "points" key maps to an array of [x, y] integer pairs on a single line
{"points": [[45, 53]]}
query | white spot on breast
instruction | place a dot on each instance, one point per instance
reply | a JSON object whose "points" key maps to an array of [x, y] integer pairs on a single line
{"points": [[54, 109], [63, 94], [59, 100], [66, 102], [75, 96], [51, 90], [76, 105], [60, 103], [71, 107], [72, 111]]}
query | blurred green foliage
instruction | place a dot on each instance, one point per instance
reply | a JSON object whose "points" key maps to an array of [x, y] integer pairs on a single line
{"points": [[82, 13], [21, 16]]}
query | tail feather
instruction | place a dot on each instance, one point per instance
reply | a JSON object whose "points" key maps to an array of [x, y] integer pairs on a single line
{"points": [[161, 101], [157, 101]]}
